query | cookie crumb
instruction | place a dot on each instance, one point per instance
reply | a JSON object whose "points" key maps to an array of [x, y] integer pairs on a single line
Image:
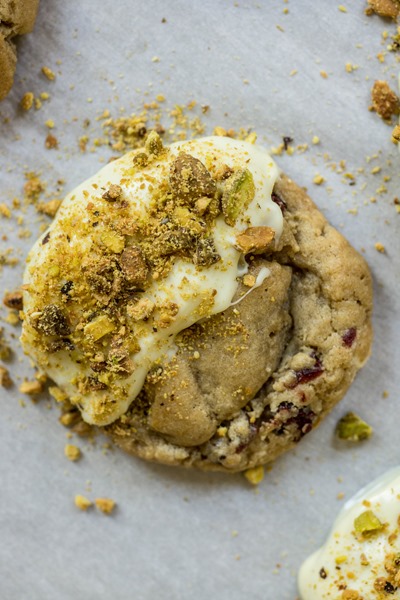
{"points": [[5, 379], [82, 502], [342, 8], [105, 505], [384, 8], [318, 180], [31, 387], [396, 134], [384, 100], [13, 300], [255, 475], [72, 452], [47, 72], [51, 142], [380, 247], [27, 101]]}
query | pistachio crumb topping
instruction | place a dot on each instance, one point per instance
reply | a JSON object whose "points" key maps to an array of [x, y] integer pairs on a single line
{"points": [[146, 248]]}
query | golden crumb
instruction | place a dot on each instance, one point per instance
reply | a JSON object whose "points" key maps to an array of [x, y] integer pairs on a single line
{"points": [[318, 180], [27, 101], [48, 73], [324, 74], [255, 475], [49, 208], [342, 8], [396, 134], [51, 142], [384, 100], [50, 123], [5, 379], [249, 280], [315, 140], [105, 505], [82, 502], [380, 247], [31, 387], [58, 394], [5, 211], [72, 452]]}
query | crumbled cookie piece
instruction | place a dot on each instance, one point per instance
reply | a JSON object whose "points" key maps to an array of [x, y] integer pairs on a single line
{"points": [[72, 452], [47, 72], [51, 142], [82, 502], [396, 134], [13, 300], [27, 101], [105, 505], [380, 247], [49, 208], [384, 8], [113, 193], [384, 100], [5, 379], [255, 475], [31, 388]]}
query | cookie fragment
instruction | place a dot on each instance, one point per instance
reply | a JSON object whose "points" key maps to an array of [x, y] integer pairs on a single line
{"points": [[385, 101], [389, 9]]}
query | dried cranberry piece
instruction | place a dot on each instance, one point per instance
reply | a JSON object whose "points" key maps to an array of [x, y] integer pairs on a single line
{"points": [[303, 420], [285, 405], [281, 203], [46, 238], [349, 336], [307, 374]]}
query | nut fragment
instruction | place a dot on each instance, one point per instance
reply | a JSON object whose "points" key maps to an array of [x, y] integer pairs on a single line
{"points": [[113, 241], [154, 144], [239, 191], [72, 452], [255, 475], [113, 193], [13, 300], [134, 266], [206, 253], [105, 505], [82, 502], [255, 239], [99, 327], [353, 429], [190, 180], [384, 100], [31, 387], [396, 134], [367, 523], [140, 310], [5, 379], [52, 321]]}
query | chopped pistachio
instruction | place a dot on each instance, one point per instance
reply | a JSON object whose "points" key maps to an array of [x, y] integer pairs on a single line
{"points": [[238, 193], [99, 327], [154, 144], [255, 475], [352, 428], [113, 241], [367, 522]]}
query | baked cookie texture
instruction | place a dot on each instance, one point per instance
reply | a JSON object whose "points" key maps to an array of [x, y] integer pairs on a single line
{"points": [[267, 370], [17, 17]]}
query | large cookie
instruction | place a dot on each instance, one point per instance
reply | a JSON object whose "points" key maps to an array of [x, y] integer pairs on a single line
{"points": [[293, 345], [17, 17], [197, 305]]}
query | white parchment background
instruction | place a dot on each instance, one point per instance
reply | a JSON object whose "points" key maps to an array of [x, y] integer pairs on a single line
{"points": [[179, 534]]}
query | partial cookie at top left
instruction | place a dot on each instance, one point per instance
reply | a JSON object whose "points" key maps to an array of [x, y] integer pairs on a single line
{"points": [[17, 17]]}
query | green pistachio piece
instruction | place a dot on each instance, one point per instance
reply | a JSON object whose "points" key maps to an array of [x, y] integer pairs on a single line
{"points": [[99, 327], [367, 522], [239, 191], [154, 144], [352, 428]]}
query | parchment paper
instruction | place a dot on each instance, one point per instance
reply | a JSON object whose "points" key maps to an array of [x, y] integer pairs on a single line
{"points": [[180, 534]]}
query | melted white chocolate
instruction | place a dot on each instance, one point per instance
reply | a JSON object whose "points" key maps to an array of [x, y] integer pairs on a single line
{"points": [[346, 562], [198, 293]]}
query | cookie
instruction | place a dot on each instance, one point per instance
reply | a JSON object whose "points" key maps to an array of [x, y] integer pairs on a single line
{"points": [[16, 18], [195, 303]]}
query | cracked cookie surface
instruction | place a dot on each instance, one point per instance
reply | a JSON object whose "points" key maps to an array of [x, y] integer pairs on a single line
{"points": [[249, 383]]}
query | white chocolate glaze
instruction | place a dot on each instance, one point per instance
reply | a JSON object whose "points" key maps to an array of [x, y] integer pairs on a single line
{"points": [[198, 293], [348, 562]]}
